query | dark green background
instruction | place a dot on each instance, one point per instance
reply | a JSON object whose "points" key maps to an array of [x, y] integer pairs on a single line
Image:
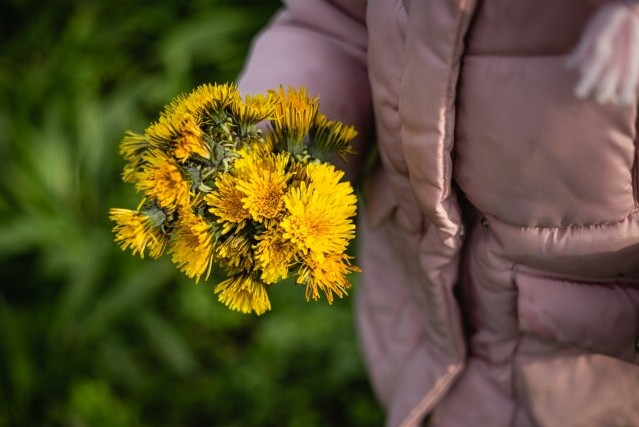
{"points": [[90, 335]]}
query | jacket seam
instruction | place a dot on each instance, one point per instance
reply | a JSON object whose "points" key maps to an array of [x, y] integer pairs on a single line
{"points": [[632, 213], [621, 282], [401, 8], [523, 56], [635, 171], [513, 386], [447, 379]]}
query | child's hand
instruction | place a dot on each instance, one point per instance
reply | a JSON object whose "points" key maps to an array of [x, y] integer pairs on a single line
{"points": [[607, 56]]}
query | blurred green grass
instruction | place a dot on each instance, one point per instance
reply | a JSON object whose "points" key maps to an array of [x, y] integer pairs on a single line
{"points": [[89, 335]]}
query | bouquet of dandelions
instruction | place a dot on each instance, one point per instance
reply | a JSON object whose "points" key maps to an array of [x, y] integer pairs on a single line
{"points": [[264, 207]]}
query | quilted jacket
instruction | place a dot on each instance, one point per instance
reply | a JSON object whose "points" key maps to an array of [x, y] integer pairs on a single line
{"points": [[499, 240]]}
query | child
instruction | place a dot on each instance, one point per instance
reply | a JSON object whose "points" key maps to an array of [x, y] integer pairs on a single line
{"points": [[500, 238]]}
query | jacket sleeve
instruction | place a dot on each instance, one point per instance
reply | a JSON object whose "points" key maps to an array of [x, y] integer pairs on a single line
{"points": [[320, 44]]}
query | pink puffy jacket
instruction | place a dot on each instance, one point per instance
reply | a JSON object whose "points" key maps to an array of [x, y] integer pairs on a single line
{"points": [[500, 244]]}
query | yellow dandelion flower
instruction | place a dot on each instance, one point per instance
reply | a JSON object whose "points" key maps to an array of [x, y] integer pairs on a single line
{"points": [[273, 255], [204, 101], [254, 109], [132, 148], [329, 136], [264, 194], [140, 230], [244, 292], [162, 180], [206, 98], [192, 245], [298, 171], [129, 173], [295, 116], [328, 276], [163, 132], [235, 252], [326, 179], [263, 181], [268, 143], [190, 140], [318, 222], [225, 202], [255, 155]]}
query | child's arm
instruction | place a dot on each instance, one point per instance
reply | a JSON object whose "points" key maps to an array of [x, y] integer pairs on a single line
{"points": [[320, 44], [608, 55]]}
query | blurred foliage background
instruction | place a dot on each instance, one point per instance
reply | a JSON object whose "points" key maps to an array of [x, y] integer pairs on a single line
{"points": [[92, 336]]}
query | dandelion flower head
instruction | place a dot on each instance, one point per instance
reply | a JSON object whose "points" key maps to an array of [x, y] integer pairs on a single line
{"points": [[244, 292], [263, 181], [140, 230], [328, 276], [225, 202], [318, 214], [274, 255], [192, 245], [162, 180]]}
